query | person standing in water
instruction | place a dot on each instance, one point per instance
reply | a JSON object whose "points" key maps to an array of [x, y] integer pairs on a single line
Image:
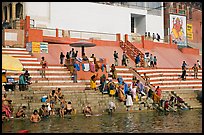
{"points": [[35, 117]]}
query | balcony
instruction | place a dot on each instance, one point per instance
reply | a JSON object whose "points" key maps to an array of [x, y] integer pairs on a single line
{"points": [[179, 11]]}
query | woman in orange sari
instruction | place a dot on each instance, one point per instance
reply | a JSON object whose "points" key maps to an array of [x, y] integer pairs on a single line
{"points": [[121, 94]]}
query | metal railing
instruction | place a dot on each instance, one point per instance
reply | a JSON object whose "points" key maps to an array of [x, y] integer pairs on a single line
{"points": [[135, 38], [92, 35], [132, 51], [77, 34]]}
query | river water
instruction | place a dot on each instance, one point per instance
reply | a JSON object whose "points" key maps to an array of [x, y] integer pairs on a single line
{"points": [[189, 121]]}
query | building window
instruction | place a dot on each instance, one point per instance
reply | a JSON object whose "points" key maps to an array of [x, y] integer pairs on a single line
{"points": [[132, 24], [174, 5], [190, 13]]}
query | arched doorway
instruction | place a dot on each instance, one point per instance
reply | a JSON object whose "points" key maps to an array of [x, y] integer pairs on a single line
{"points": [[5, 13], [10, 10], [19, 10]]}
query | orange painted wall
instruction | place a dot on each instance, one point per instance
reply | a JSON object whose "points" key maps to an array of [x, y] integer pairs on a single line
{"points": [[100, 52], [150, 45], [35, 35], [172, 58], [67, 40]]}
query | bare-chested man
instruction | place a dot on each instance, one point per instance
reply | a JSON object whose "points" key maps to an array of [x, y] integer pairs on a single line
{"points": [[35, 117]]}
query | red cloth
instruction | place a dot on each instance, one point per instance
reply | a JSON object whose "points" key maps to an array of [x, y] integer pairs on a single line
{"points": [[23, 131], [92, 67], [158, 92], [6, 109]]}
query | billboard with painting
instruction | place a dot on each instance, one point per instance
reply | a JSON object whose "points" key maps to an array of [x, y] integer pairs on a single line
{"points": [[178, 29]]}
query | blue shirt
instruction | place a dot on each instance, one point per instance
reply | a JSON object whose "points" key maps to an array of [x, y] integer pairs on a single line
{"points": [[125, 88]]}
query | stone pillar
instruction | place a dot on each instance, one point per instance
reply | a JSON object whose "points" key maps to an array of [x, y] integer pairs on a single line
{"points": [[26, 30], [143, 40], [3, 14], [170, 39], [118, 37], [57, 32], [126, 37], [8, 14], [13, 11]]}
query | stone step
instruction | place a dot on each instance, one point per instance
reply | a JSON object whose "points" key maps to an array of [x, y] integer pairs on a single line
{"points": [[180, 89], [17, 55], [124, 74], [176, 81], [14, 52], [29, 66], [48, 75], [26, 58], [172, 78], [150, 70], [30, 62], [13, 49], [180, 86], [155, 74], [189, 91], [33, 72]]}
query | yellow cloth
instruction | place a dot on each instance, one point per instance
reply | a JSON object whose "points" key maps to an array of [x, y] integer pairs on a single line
{"points": [[7, 60], [112, 92], [93, 84], [136, 98], [4, 78]]}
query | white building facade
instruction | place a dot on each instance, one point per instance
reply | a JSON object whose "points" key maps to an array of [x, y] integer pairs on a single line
{"points": [[128, 18]]}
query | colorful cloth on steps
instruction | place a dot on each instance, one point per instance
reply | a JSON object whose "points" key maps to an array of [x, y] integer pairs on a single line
{"points": [[92, 67], [86, 66]]}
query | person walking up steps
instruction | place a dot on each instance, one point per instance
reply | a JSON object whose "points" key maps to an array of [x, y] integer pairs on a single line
{"points": [[124, 59], [116, 58], [61, 58], [195, 70]]}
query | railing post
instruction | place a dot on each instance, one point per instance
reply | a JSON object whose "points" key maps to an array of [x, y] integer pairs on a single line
{"points": [[57, 32], [126, 37], [63, 33], [170, 39], [26, 29], [143, 40], [118, 37]]}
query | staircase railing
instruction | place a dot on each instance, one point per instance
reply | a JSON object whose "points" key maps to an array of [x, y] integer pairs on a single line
{"points": [[132, 51]]}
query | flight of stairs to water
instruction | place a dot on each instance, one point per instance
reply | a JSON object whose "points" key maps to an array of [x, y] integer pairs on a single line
{"points": [[168, 79], [123, 72], [58, 76]]}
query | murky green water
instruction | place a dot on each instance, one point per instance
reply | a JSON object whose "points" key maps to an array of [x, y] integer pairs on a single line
{"points": [[138, 122]]}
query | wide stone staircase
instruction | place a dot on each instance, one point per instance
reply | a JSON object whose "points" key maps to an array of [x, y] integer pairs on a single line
{"points": [[168, 79], [58, 76]]}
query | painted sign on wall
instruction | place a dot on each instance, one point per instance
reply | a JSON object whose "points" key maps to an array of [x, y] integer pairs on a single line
{"points": [[29, 46], [11, 36], [35, 47], [189, 31], [178, 29], [43, 47]]}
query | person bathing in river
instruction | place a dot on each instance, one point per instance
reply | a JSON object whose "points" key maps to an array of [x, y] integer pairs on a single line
{"points": [[87, 110], [69, 107], [43, 111], [62, 107], [21, 112], [52, 98], [35, 117], [111, 107]]}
